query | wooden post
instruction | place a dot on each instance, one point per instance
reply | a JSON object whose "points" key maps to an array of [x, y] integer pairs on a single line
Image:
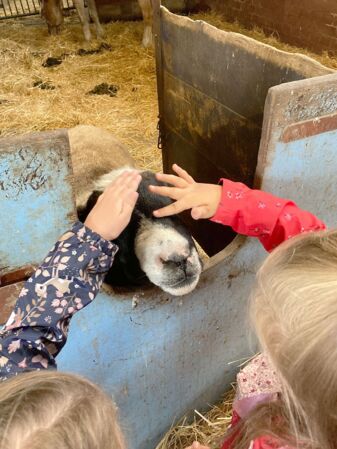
{"points": [[157, 29]]}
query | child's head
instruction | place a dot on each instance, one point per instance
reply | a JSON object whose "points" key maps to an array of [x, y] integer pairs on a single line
{"points": [[294, 311], [52, 410]]}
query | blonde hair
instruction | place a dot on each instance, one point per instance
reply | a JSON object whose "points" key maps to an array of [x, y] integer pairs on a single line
{"points": [[294, 312], [53, 410]]}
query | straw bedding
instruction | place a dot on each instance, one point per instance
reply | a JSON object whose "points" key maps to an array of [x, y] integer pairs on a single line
{"points": [[208, 429], [131, 114]]}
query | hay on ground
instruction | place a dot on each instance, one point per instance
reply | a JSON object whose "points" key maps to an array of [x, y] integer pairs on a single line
{"points": [[208, 429], [131, 114]]}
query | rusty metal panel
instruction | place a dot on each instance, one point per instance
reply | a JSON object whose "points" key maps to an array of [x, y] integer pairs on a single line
{"points": [[36, 196], [212, 87]]}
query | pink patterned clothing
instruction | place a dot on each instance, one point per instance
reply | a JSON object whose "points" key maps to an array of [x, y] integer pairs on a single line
{"points": [[272, 220], [257, 383], [259, 214]]}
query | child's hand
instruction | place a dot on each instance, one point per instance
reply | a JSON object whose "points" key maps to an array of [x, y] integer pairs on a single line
{"points": [[112, 212], [203, 199], [196, 445]]}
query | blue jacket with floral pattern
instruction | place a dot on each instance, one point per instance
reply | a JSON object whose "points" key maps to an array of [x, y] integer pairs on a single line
{"points": [[68, 279]]}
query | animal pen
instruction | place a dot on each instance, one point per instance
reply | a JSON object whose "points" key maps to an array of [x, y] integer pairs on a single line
{"points": [[231, 107], [11, 9]]}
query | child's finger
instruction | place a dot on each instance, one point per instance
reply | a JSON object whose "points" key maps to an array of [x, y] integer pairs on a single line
{"points": [[127, 181], [171, 192], [171, 179], [171, 209], [130, 202], [125, 190], [123, 179], [120, 178], [131, 182], [135, 181], [183, 174]]}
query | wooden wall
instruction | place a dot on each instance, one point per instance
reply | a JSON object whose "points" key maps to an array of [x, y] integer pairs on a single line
{"points": [[310, 24], [129, 9]]}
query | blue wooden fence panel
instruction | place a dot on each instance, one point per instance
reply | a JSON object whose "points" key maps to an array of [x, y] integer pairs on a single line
{"points": [[36, 196]]}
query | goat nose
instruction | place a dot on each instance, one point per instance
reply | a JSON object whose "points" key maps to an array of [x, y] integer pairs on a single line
{"points": [[181, 264], [177, 261]]}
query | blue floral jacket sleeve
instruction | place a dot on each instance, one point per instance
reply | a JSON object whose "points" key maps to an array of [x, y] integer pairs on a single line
{"points": [[68, 279]]}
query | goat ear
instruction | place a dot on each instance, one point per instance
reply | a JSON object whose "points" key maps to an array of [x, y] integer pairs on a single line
{"points": [[83, 211]]}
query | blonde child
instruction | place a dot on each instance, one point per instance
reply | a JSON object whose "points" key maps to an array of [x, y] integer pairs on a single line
{"points": [[286, 396], [42, 408]]}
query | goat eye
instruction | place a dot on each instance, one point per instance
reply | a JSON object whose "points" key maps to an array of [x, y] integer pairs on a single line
{"points": [[167, 263]]}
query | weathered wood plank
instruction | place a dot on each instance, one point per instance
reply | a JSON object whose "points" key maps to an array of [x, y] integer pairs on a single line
{"points": [[36, 196]]}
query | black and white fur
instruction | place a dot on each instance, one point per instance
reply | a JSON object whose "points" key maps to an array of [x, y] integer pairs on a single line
{"points": [[157, 249]]}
